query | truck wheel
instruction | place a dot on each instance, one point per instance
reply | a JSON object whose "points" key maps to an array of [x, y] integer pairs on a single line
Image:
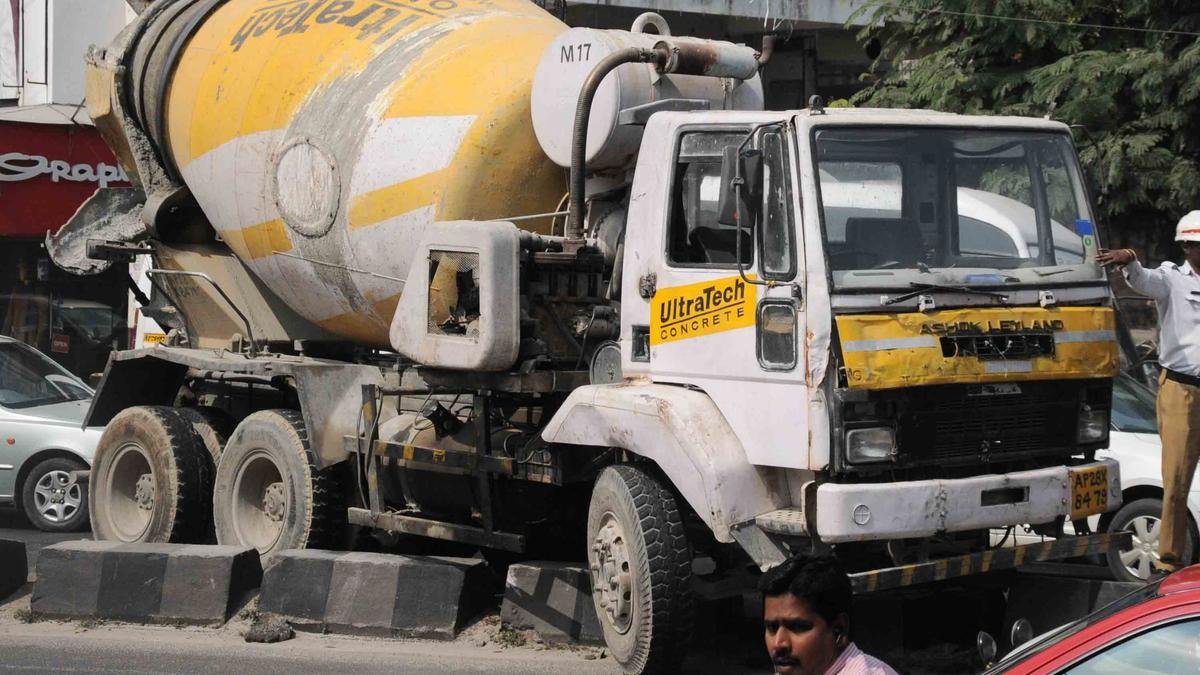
{"points": [[269, 493], [51, 501], [1143, 518], [212, 427], [641, 568], [151, 479]]}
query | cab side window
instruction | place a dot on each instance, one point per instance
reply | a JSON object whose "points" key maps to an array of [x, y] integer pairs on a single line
{"points": [[775, 217], [694, 237]]}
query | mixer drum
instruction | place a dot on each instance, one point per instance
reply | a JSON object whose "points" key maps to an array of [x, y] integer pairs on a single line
{"points": [[321, 138]]}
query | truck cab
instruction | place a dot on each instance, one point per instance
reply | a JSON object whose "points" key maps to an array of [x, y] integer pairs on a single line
{"points": [[915, 340]]}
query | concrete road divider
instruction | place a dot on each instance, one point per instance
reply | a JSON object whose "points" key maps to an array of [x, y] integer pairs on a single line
{"points": [[375, 593], [552, 599], [144, 583], [13, 567]]}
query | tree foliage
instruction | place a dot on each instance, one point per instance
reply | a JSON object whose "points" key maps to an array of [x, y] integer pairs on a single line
{"points": [[1136, 94]]}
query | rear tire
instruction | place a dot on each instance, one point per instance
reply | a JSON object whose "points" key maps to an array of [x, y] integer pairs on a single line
{"points": [[1142, 517], [212, 427], [151, 479], [51, 501], [269, 494], [640, 564]]}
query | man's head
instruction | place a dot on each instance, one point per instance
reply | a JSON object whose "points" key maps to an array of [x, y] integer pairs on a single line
{"points": [[806, 614], [1187, 233]]}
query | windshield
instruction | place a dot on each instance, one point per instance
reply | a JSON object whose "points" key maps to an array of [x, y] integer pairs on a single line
{"points": [[1133, 408], [898, 203], [28, 379]]}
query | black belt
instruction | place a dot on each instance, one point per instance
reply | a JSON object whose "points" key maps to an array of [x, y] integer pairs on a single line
{"points": [[1190, 380]]}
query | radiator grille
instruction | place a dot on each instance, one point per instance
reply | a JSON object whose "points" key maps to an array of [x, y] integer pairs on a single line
{"points": [[943, 422]]}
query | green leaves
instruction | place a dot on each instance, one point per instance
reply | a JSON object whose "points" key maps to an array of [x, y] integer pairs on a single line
{"points": [[1136, 92]]}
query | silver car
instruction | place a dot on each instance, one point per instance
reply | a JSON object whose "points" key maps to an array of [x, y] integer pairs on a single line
{"points": [[42, 442]]}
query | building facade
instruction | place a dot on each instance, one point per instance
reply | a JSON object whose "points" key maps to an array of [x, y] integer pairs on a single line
{"points": [[51, 161]]}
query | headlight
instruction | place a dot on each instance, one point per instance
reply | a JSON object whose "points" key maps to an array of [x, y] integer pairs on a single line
{"points": [[1093, 425], [877, 444]]}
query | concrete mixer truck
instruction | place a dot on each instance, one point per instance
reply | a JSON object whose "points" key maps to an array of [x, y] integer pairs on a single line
{"points": [[451, 269]]}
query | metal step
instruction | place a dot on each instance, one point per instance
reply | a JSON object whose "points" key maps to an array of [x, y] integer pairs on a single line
{"points": [[789, 522]]}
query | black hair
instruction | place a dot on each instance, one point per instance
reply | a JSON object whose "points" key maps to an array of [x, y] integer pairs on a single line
{"points": [[818, 580]]}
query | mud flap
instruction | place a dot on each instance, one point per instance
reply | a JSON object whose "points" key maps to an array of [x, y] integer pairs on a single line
{"points": [[110, 214]]}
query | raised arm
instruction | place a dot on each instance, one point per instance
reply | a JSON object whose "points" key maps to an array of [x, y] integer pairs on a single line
{"points": [[1152, 282]]}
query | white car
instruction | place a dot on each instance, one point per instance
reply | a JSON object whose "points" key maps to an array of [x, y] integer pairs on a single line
{"points": [[42, 439], [1135, 445]]}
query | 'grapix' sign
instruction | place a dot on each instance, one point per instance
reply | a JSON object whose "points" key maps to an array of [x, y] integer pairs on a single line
{"points": [[18, 166]]}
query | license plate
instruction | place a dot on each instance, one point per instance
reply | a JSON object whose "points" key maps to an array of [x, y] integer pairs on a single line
{"points": [[1089, 491]]}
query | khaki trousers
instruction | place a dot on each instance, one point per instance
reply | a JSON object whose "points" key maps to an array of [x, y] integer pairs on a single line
{"points": [[1179, 428]]}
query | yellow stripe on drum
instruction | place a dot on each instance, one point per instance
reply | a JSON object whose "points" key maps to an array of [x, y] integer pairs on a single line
{"points": [[218, 92], [501, 144], [364, 326], [259, 241], [394, 200]]}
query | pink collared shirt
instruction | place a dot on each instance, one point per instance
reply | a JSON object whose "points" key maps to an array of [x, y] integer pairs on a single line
{"points": [[854, 661]]}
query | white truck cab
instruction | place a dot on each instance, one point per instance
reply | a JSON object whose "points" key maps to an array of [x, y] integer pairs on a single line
{"points": [[881, 365]]}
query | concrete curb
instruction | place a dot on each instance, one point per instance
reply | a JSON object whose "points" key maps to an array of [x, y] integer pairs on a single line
{"points": [[144, 583], [14, 568], [375, 594], [552, 599]]}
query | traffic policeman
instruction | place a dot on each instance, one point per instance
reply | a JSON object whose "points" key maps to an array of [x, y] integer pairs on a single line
{"points": [[1176, 290]]}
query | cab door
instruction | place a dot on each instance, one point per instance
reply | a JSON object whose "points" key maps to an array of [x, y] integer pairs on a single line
{"points": [[733, 330]]}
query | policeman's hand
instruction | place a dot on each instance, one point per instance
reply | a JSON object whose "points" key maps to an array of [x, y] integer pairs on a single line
{"points": [[1121, 257]]}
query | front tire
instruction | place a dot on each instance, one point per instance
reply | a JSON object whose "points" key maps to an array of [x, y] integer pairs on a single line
{"points": [[640, 564], [1142, 517], [51, 500], [151, 479], [269, 494]]}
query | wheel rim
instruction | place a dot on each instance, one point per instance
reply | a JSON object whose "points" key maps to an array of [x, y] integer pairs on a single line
{"points": [[1139, 558], [612, 575], [129, 492], [56, 498], [260, 502]]}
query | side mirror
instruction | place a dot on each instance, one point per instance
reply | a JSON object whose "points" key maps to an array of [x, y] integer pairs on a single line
{"points": [[736, 199]]}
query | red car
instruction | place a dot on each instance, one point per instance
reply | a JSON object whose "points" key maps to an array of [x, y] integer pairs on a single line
{"points": [[1155, 629]]}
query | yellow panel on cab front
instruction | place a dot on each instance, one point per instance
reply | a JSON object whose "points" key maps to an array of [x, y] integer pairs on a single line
{"points": [[963, 346]]}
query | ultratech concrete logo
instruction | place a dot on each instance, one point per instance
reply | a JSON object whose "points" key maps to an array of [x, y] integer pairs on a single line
{"points": [[1001, 326], [701, 309], [377, 20]]}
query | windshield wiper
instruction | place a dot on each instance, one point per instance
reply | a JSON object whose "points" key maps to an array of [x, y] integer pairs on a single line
{"points": [[921, 288]]}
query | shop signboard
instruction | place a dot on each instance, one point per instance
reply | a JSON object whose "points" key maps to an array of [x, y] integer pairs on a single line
{"points": [[47, 171]]}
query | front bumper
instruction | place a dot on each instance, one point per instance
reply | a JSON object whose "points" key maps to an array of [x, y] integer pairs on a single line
{"points": [[847, 512]]}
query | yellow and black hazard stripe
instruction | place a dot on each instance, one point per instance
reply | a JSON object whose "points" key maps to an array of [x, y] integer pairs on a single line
{"points": [[984, 561]]}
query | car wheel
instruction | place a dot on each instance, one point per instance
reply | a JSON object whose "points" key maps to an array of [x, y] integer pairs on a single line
{"points": [[51, 500], [1142, 518]]}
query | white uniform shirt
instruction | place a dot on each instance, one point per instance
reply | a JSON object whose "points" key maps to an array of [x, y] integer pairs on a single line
{"points": [[1176, 289]]}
